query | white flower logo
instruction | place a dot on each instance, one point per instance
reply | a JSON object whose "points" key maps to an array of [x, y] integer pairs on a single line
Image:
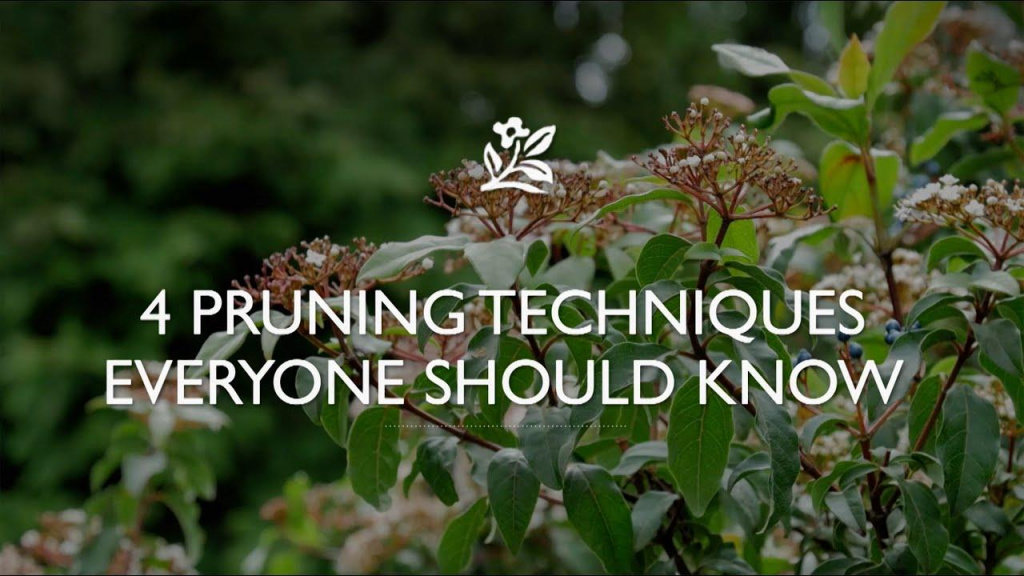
{"points": [[518, 139]]}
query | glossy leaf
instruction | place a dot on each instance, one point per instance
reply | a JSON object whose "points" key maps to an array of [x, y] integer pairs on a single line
{"points": [[698, 445], [648, 512], [547, 439], [513, 490], [456, 547], [775, 428], [660, 258], [373, 455], [393, 257], [926, 535], [854, 68], [841, 117], [906, 24], [844, 181], [497, 262], [968, 446], [946, 127], [758, 62], [598, 511], [435, 459]]}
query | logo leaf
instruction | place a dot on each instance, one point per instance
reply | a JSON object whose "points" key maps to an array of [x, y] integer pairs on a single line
{"points": [[539, 141], [492, 161]]}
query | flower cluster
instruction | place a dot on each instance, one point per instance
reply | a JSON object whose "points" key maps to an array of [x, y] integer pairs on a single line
{"points": [[911, 284], [993, 207], [724, 170], [62, 536], [486, 215], [318, 265]]}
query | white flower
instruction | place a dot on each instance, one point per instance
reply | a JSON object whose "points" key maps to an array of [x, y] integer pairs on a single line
{"points": [[704, 101], [949, 180], [315, 258], [951, 194], [476, 172], [975, 208], [510, 130], [427, 263]]}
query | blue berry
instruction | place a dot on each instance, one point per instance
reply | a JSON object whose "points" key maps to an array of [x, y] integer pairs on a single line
{"points": [[856, 350], [916, 326], [892, 325], [843, 337], [891, 337], [932, 168], [803, 356]]}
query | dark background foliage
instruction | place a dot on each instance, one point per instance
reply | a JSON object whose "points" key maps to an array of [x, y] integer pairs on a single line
{"points": [[173, 145]]}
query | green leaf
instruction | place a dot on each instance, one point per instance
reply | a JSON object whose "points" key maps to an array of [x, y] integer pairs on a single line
{"points": [[647, 515], [268, 340], [758, 62], [818, 425], [640, 455], [844, 182], [334, 417], [304, 385], [945, 128], [756, 462], [967, 446], [456, 547], [953, 246], [393, 257], [219, 346], [373, 455], [598, 511], [498, 262], [698, 445], [853, 69], [841, 117], [848, 508], [741, 236], [547, 439], [995, 81], [660, 257], [989, 161], [513, 490], [774, 427], [1000, 346], [906, 24], [537, 256], [998, 281], [921, 406], [573, 272], [959, 561], [633, 199], [845, 470], [926, 535], [435, 459]]}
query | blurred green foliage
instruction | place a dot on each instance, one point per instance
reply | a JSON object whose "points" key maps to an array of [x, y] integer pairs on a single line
{"points": [[174, 145]]}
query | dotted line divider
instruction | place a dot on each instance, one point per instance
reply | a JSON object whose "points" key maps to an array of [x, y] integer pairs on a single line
{"points": [[506, 427]]}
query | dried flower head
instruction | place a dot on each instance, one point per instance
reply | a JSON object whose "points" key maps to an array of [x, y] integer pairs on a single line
{"points": [[724, 172], [487, 215], [318, 265], [991, 215]]}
